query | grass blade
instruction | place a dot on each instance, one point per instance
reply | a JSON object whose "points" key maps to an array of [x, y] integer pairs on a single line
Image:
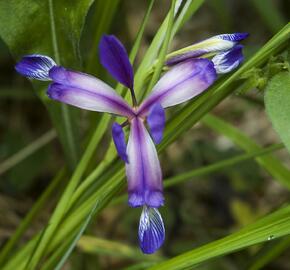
{"points": [[267, 228], [27, 151], [269, 163]]}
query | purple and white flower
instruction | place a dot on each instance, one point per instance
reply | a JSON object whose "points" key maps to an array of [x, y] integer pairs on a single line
{"points": [[189, 76]]}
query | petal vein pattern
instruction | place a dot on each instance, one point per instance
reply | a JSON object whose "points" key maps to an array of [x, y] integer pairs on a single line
{"points": [[151, 230], [183, 82], [86, 92], [143, 170]]}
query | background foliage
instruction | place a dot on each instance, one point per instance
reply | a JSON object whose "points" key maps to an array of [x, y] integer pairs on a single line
{"points": [[227, 185]]}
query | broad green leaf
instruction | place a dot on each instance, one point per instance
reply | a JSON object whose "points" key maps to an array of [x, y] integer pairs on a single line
{"points": [[27, 27], [266, 229], [52, 28], [269, 163], [277, 102]]}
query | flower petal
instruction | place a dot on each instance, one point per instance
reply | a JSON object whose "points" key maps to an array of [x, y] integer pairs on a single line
{"points": [[114, 58], [35, 66], [143, 170], [211, 45], [119, 140], [151, 230], [156, 122], [183, 82], [227, 61], [86, 92]]}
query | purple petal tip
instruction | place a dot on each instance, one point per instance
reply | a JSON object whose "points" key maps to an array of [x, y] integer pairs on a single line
{"points": [[236, 37], [151, 230], [114, 58], [35, 66], [119, 140], [156, 122]]}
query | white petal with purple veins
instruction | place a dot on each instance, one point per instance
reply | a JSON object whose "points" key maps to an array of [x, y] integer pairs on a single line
{"points": [[35, 66], [151, 230], [225, 62]]}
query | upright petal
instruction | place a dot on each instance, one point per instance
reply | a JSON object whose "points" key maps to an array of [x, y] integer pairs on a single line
{"points": [[114, 58], [86, 92], [214, 44], [151, 230], [225, 62], [119, 141], [143, 170], [156, 122], [35, 66], [183, 82]]}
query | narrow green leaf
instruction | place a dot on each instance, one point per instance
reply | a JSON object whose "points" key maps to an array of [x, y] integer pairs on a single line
{"points": [[94, 245], [151, 55], [270, 14], [103, 16], [271, 253], [277, 102], [266, 229], [27, 151], [164, 47], [74, 241], [269, 163], [35, 210]]}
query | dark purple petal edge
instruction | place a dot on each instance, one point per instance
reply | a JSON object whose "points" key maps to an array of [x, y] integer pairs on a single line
{"points": [[156, 122], [119, 141]]}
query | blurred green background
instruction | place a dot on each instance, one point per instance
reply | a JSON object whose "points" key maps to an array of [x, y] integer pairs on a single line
{"points": [[197, 211]]}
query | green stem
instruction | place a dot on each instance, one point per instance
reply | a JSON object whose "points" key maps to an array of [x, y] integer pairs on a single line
{"points": [[25, 223], [72, 152], [164, 48], [27, 151]]}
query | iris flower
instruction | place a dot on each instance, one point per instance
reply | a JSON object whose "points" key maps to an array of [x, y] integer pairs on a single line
{"points": [[190, 73]]}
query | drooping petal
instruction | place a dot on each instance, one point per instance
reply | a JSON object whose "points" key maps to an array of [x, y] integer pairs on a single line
{"points": [[151, 230], [227, 61], [35, 66], [86, 92], [183, 82], [143, 170], [156, 122], [214, 44], [119, 140], [115, 59]]}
